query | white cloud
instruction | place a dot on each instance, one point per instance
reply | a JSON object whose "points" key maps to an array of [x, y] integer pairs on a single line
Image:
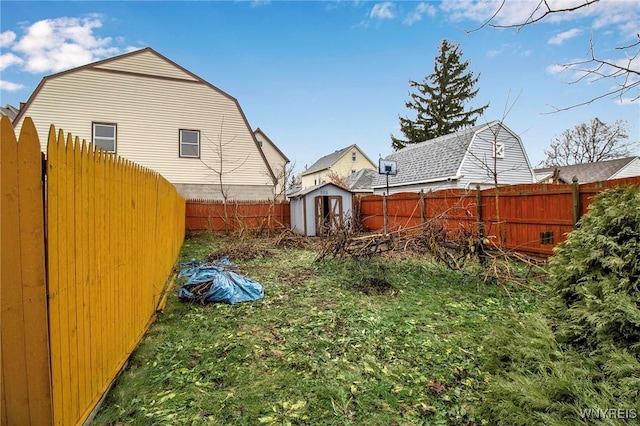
{"points": [[9, 59], [420, 10], [564, 36], [382, 11], [613, 12], [7, 38], [62, 43], [556, 69], [493, 53], [9, 86]]}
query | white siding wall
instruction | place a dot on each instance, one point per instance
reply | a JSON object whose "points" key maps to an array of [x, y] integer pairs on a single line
{"points": [[630, 170], [297, 215], [478, 165], [149, 112], [425, 187]]}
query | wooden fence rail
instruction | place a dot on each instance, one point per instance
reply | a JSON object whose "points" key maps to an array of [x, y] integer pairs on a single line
{"points": [[527, 218], [113, 233], [236, 215]]}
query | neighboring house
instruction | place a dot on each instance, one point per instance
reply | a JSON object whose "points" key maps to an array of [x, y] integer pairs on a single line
{"points": [[152, 111], [319, 209], [590, 172], [339, 164], [360, 182], [479, 155], [10, 111], [277, 162]]}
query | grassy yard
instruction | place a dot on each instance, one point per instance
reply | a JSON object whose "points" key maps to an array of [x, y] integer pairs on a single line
{"points": [[375, 342]]}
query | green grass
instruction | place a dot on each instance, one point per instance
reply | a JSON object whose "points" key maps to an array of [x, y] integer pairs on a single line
{"points": [[376, 342]]}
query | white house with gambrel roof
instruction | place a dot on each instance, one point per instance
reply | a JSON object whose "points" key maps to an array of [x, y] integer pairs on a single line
{"points": [[150, 110], [464, 159]]}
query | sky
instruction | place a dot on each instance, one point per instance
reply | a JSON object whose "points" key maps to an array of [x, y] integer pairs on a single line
{"points": [[318, 76]]}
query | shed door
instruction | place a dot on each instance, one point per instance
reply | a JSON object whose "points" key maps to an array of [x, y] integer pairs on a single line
{"points": [[328, 213]]}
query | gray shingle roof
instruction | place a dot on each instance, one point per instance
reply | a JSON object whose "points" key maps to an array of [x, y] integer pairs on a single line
{"points": [[327, 161], [10, 111], [305, 191], [361, 180], [588, 172], [432, 160]]}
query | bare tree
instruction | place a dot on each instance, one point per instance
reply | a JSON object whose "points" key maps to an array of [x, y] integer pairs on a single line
{"points": [[589, 143], [623, 72], [223, 166], [336, 179]]}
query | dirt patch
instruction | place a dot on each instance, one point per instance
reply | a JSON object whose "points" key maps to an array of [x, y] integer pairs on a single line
{"points": [[373, 285]]}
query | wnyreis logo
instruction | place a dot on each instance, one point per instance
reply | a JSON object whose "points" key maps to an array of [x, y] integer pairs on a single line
{"points": [[608, 413]]}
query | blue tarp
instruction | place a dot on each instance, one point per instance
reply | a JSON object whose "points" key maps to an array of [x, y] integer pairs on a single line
{"points": [[217, 281]]}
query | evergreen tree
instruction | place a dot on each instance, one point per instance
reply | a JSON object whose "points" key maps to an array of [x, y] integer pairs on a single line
{"points": [[440, 98]]}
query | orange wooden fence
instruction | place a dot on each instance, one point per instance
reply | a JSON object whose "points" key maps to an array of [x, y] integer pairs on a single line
{"points": [[236, 215], [527, 218], [113, 234]]}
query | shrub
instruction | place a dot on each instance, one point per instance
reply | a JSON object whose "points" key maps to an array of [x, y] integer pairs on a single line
{"points": [[582, 350]]}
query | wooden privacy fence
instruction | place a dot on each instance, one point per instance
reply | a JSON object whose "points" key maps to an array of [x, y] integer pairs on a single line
{"points": [[236, 215], [69, 323], [527, 218]]}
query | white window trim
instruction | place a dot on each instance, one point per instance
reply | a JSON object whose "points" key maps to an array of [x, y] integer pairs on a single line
{"points": [[180, 154], [498, 150], [115, 136]]}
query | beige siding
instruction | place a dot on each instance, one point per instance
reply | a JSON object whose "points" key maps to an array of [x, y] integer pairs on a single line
{"points": [[314, 179], [146, 63], [149, 113], [276, 161], [345, 165]]}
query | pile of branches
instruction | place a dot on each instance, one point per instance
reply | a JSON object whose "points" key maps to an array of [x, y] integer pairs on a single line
{"points": [[452, 248], [457, 249], [343, 241]]}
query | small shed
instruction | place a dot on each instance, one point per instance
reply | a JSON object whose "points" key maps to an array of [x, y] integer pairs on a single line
{"points": [[320, 208]]}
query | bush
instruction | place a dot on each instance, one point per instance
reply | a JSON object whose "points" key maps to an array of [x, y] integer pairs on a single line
{"points": [[582, 350]]}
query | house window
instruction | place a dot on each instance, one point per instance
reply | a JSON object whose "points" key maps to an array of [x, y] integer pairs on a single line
{"points": [[190, 143], [353, 156], [498, 149], [104, 136]]}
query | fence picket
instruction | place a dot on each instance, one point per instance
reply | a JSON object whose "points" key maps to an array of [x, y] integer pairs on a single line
{"points": [[101, 212]]}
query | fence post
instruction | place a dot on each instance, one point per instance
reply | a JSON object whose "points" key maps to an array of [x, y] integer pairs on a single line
{"points": [[479, 212], [384, 211], [25, 391], [575, 201], [423, 211]]}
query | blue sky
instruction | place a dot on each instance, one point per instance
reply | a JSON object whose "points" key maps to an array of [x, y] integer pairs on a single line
{"points": [[319, 76]]}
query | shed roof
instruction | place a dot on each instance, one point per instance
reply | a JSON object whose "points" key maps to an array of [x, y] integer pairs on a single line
{"points": [[311, 189]]}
